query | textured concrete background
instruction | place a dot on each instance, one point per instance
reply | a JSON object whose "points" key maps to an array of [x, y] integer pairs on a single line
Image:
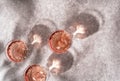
{"points": [[96, 58]]}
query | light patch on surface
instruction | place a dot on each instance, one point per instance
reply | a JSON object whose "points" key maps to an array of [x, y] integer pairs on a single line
{"points": [[55, 64], [79, 29], [36, 39]]}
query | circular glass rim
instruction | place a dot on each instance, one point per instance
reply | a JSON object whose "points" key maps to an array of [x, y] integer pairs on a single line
{"points": [[7, 48], [59, 51], [28, 67]]}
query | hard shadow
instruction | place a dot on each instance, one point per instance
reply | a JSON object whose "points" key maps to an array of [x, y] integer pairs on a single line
{"points": [[44, 33], [89, 21], [41, 30], [66, 62]]}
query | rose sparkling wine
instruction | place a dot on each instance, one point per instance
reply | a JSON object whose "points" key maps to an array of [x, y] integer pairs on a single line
{"points": [[60, 41], [16, 51], [35, 73]]}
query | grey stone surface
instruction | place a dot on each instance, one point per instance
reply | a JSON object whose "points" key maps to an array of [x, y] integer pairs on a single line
{"points": [[96, 58]]}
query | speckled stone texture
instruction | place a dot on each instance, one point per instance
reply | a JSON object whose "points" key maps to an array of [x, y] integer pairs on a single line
{"points": [[96, 58]]}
